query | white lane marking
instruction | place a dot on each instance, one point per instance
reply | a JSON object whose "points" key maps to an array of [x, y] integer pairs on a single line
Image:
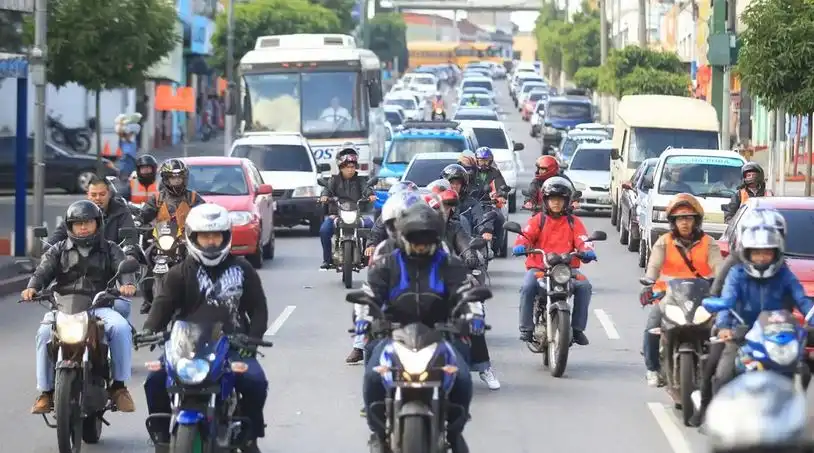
{"points": [[607, 324], [678, 443], [278, 323]]}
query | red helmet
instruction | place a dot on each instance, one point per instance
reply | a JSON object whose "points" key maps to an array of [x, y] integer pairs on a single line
{"points": [[547, 166], [449, 197], [434, 200]]}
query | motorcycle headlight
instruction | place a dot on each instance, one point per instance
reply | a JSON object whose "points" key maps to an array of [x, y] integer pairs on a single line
{"points": [[782, 354], [506, 166], [349, 217], [166, 242], [191, 371], [675, 314], [72, 329], [415, 362], [561, 273], [240, 218], [305, 192], [701, 316], [386, 183]]}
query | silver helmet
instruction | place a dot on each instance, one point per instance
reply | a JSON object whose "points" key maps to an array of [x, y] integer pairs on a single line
{"points": [[208, 218]]}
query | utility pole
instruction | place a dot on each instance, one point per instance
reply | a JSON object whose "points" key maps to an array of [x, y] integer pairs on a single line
{"points": [[643, 23], [38, 55], [726, 105], [231, 107], [562, 59], [603, 53]]}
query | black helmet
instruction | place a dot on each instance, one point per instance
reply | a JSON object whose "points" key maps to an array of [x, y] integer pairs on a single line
{"points": [[170, 168], [83, 211], [557, 186], [455, 171], [752, 167], [419, 224], [146, 160]]}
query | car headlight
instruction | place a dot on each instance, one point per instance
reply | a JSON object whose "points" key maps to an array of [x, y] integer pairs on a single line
{"points": [[675, 314], [240, 218], [506, 166], [386, 183], [349, 217], [72, 329], [166, 242], [415, 362], [306, 192], [191, 371], [659, 215], [580, 186], [561, 274], [782, 354]]}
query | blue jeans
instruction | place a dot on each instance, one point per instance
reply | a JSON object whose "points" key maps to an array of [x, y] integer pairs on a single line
{"points": [[582, 300], [127, 165], [118, 335], [326, 234], [651, 342], [471, 218], [373, 389], [251, 385]]}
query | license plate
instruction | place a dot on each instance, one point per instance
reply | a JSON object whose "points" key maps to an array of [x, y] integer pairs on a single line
{"points": [[161, 268], [603, 202]]}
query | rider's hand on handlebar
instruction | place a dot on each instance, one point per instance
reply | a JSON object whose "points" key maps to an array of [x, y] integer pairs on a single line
{"points": [[128, 290], [487, 236], [372, 198], [323, 199], [528, 205], [725, 334], [646, 296], [28, 294], [588, 256], [369, 251], [519, 250]]}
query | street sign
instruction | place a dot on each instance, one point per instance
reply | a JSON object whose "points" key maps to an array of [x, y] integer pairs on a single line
{"points": [[14, 66], [26, 6]]}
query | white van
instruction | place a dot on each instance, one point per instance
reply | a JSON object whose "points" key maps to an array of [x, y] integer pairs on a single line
{"points": [[711, 176], [647, 124]]}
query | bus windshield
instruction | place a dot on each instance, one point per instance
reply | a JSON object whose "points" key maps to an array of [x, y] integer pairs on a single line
{"points": [[317, 104]]}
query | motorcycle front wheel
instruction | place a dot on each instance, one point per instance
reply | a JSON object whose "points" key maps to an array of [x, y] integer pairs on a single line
{"points": [[187, 439], [347, 264], [559, 342], [67, 395], [686, 383], [415, 435]]}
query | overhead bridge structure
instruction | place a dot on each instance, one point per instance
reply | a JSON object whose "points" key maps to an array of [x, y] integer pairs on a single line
{"points": [[469, 5]]}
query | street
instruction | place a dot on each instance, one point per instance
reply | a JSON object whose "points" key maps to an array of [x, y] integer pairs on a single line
{"points": [[601, 404]]}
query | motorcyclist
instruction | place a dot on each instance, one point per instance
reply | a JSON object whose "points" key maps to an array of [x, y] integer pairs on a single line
{"points": [[555, 230], [417, 283], [545, 167], [438, 101], [472, 101], [685, 252], [212, 286], [469, 208], [488, 184], [469, 163], [378, 232], [144, 185], [753, 185], [347, 186], [83, 263]]}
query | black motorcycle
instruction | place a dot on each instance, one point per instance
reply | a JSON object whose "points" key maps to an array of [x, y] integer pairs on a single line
{"points": [[420, 375], [166, 250], [77, 138], [552, 305]]}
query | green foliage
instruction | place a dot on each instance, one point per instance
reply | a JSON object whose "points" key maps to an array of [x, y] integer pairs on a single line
{"points": [[636, 70], [568, 46], [269, 17], [11, 40], [342, 9], [387, 36], [547, 30], [587, 77], [775, 58]]}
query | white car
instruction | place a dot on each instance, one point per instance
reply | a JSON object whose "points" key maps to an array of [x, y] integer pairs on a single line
{"points": [[482, 82], [406, 101], [589, 170], [494, 135], [424, 83]]}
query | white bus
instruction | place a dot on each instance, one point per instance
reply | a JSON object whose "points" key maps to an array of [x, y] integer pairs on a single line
{"points": [[320, 85]]}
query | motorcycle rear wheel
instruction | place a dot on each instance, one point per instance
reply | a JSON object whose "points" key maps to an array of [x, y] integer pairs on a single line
{"points": [[686, 383], [415, 435], [187, 439], [347, 264], [67, 394], [559, 343]]}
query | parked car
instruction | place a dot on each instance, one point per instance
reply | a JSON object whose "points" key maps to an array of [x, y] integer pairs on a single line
{"points": [[237, 185], [633, 192]]}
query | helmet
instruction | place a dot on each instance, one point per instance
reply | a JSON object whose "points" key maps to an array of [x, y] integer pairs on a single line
{"points": [[467, 161], [549, 166], [394, 206], [761, 237], [208, 218], [757, 410], [686, 200], [454, 171], [170, 168], [758, 178], [83, 211], [556, 187], [347, 156], [484, 154], [434, 201], [419, 225], [450, 197], [402, 186], [439, 185], [758, 217], [146, 160]]}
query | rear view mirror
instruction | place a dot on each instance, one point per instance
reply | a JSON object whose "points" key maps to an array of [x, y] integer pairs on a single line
{"points": [[577, 195], [725, 207], [644, 281], [373, 181], [378, 160], [714, 304], [40, 232], [627, 186], [264, 189], [525, 193], [476, 294], [514, 227], [519, 147], [477, 243], [128, 266], [615, 154], [598, 236], [322, 182], [322, 168]]}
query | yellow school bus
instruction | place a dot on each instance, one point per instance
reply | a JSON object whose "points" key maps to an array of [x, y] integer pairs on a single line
{"points": [[468, 52], [430, 53]]}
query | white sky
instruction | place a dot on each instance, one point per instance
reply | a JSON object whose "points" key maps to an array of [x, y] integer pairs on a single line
{"points": [[524, 19]]}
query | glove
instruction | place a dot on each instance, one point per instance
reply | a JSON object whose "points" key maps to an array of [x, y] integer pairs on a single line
{"points": [[588, 256], [471, 260], [646, 296], [519, 250], [361, 326], [477, 326]]}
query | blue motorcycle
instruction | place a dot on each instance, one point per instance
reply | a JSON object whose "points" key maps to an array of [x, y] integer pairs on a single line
{"points": [[201, 378]]}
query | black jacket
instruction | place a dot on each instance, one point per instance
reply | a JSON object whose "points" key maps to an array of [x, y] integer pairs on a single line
{"points": [[150, 209], [481, 181], [352, 190], [72, 273], [417, 301], [735, 200], [117, 217], [236, 298], [378, 233], [535, 197]]}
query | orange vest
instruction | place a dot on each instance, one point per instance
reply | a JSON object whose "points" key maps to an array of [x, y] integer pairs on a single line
{"points": [[675, 267], [180, 214], [139, 193], [745, 195]]}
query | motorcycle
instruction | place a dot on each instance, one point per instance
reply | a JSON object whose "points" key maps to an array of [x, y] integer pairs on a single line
{"points": [[476, 245], [206, 412], [552, 305], [83, 364], [683, 344], [438, 114], [418, 375], [77, 138], [166, 251]]}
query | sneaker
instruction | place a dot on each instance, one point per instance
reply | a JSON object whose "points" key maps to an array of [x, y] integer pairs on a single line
{"points": [[580, 338], [653, 378], [355, 356], [122, 399], [490, 379], [44, 403], [528, 337], [325, 266]]}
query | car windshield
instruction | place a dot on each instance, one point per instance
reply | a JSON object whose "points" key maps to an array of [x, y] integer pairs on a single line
{"points": [[475, 90], [537, 96], [591, 160], [424, 80], [570, 143], [482, 101], [648, 142], [527, 87], [464, 115], [704, 176], [569, 110], [217, 180], [491, 137], [276, 157], [393, 118], [477, 83], [405, 103], [425, 171], [798, 227], [402, 151]]}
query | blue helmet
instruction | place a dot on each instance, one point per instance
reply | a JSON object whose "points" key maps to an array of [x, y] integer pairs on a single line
{"points": [[484, 157]]}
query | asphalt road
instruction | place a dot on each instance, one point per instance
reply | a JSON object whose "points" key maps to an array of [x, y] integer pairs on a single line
{"points": [[601, 404]]}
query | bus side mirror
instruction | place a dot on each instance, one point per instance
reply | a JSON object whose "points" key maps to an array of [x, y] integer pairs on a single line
{"points": [[374, 91]]}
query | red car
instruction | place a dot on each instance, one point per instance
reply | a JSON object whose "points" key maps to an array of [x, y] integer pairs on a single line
{"points": [[235, 184]]}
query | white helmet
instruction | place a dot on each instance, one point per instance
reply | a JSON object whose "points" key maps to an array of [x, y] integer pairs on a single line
{"points": [[395, 205], [208, 218], [763, 237], [763, 216]]}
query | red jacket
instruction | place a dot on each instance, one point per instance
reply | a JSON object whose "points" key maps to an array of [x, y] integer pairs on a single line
{"points": [[556, 236]]}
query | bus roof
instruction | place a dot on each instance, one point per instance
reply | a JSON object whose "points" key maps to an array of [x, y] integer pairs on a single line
{"points": [[367, 58], [305, 41]]}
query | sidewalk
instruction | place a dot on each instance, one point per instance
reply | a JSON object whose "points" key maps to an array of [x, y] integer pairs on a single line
{"points": [[213, 147]]}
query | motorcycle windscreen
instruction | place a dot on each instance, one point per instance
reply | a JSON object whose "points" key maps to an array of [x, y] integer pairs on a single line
{"points": [[683, 290], [192, 340], [776, 322], [167, 227], [73, 303]]}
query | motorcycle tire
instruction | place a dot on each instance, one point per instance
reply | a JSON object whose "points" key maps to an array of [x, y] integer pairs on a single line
{"points": [[67, 395], [57, 136], [347, 264], [187, 439], [686, 383], [415, 435], [559, 342], [82, 143], [92, 428]]}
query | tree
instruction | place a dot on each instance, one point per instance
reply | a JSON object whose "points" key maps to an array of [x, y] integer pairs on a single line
{"points": [[775, 57], [636, 70], [343, 10], [547, 30], [587, 77], [269, 17], [106, 44], [387, 37], [580, 42]]}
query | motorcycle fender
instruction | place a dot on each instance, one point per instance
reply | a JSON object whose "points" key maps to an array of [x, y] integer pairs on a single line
{"points": [[686, 347], [187, 417], [62, 364], [412, 408], [559, 305]]}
